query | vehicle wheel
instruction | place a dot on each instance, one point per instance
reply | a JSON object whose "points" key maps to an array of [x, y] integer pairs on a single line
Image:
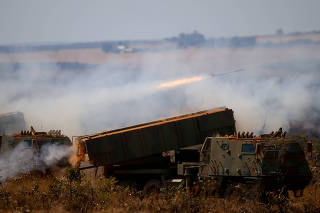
{"points": [[128, 183], [152, 187], [230, 191], [222, 188]]}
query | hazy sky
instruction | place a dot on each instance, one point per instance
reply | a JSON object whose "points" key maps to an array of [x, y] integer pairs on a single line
{"points": [[39, 21]]}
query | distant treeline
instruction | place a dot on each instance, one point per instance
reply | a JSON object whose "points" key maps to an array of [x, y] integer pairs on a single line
{"points": [[51, 47], [183, 40], [48, 66]]}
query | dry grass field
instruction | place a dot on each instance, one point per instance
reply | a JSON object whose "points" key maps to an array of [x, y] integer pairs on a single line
{"points": [[69, 193]]}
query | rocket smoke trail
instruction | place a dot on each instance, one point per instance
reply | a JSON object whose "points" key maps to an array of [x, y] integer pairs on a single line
{"points": [[183, 81]]}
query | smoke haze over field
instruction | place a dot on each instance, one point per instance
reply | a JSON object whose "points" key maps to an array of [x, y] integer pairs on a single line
{"points": [[279, 87], [21, 159]]}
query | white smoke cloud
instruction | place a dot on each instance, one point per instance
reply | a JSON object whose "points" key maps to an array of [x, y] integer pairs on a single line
{"points": [[51, 154], [16, 161], [279, 88], [24, 159]]}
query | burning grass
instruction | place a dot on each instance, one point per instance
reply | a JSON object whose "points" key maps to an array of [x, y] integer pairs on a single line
{"points": [[75, 192]]}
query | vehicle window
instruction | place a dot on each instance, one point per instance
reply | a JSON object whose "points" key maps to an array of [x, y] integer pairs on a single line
{"points": [[27, 143], [206, 145], [225, 146], [58, 141], [250, 148], [294, 148]]}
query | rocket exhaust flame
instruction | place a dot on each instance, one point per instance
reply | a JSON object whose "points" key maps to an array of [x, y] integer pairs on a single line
{"points": [[183, 81], [79, 153], [180, 82]]}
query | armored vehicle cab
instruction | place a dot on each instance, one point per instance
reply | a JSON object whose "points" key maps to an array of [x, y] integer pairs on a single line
{"points": [[33, 140], [272, 160]]}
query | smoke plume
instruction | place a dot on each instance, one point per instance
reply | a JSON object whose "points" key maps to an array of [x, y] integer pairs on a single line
{"points": [[278, 87], [22, 159]]}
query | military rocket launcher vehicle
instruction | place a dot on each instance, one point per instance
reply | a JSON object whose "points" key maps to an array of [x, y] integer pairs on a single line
{"points": [[152, 150], [197, 149]]}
